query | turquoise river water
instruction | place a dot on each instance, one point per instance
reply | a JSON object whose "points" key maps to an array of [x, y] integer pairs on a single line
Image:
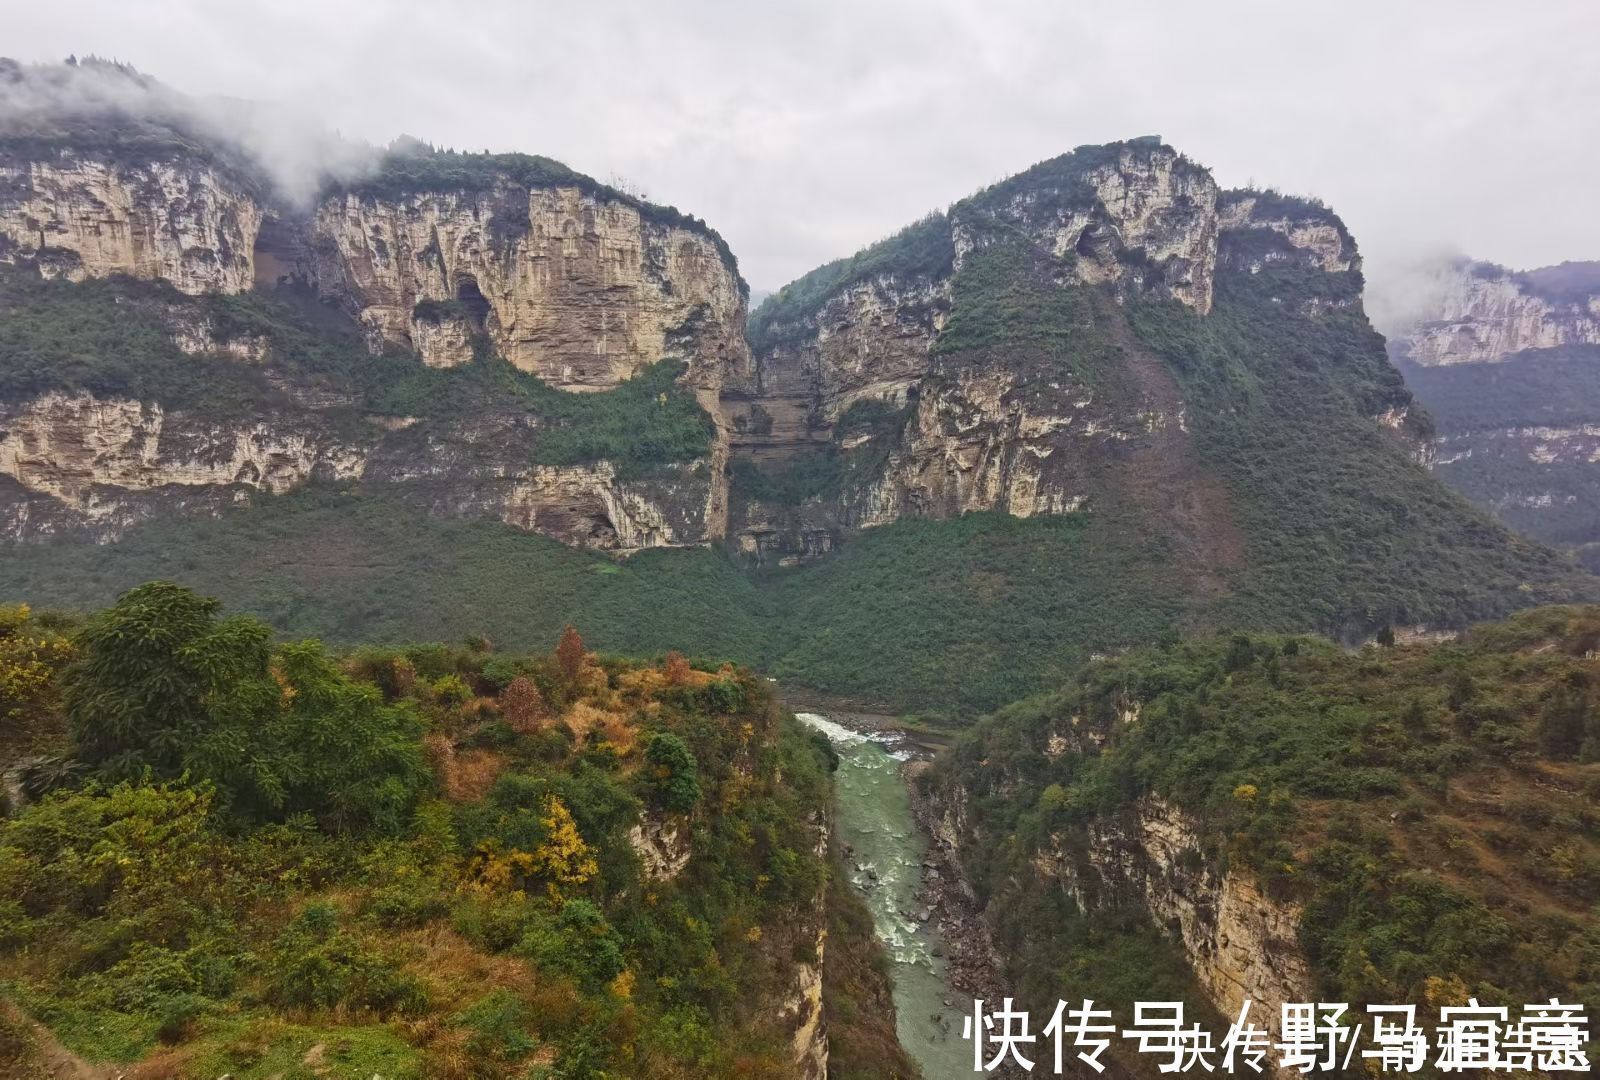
{"points": [[884, 860]]}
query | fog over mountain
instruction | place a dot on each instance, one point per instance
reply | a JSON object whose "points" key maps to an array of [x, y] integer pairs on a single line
{"points": [[804, 131]]}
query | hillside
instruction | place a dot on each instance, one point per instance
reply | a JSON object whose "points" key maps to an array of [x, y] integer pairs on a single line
{"points": [[223, 856], [1283, 819], [1096, 404], [1506, 362]]}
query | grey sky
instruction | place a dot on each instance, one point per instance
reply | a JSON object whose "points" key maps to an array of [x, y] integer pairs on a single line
{"points": [[804, 130]]}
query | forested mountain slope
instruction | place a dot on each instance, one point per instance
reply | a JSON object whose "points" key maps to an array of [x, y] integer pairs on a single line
{"points": [[1283, 819], [1101, 402]]}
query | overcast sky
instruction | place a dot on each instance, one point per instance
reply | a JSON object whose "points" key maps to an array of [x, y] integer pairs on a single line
{"points": [[804, 130]]}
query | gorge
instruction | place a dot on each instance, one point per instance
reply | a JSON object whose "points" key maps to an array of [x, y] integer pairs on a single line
{"points": [[1102, 471]]}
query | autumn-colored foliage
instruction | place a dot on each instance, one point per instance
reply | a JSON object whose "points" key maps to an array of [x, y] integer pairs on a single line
{"points": [[676, 668], [569, 654], [522, 705], [562, 859]]}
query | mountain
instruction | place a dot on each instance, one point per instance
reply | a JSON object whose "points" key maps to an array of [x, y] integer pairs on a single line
{"points": [[262, 344], [1280, 819], [1508, 363], [436, 394]]}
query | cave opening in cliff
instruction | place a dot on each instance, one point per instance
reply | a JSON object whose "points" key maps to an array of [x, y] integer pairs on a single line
{"points": [[473, 303], [278, 254]]}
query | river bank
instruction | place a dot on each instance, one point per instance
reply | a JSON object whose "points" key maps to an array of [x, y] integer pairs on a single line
{"points": [[923, 912]]}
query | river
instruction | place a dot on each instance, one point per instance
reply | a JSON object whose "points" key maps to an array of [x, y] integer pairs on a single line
{"points": [[884, 860]]}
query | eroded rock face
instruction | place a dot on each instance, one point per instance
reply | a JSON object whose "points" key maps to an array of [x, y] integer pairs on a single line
{"points": [[1240, 943], [581, 290], [81, 463], [1499, 359], [1149, 198], [1260, 231], [67, 447], [802, 1001], [180, 221], [663, 848], [1487, 314], [1005, 429]]}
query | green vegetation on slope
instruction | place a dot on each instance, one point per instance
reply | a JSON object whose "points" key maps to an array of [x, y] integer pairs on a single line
{"points": [[922, 249], [349, 568], [411, 862], [1345, 533], [114, 338], [1543, 387], [947, 616], [1434, 809]]}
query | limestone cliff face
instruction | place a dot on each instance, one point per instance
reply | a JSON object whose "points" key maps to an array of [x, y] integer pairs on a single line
{"points": [[1260, 230], [1487, 314], [77, 462], [1144, 197], [1501, 360], [77, 217], [580, 287], [991, 429], [1240, 943], [802, 1002], [581, 290], [1154, 856]]}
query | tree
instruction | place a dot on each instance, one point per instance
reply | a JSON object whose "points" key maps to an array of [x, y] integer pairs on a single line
{"points": [[161, 680], [521, 704], [673, 772], [163, 685], [676, 668], [569, 654], [346, 757]]}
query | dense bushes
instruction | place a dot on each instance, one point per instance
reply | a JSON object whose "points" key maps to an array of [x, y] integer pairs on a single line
{"points": [[164, 688], [278, 867], [1431, 808]]}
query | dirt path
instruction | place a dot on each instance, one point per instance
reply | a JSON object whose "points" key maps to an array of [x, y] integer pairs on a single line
{"points": [[28, 1051]]}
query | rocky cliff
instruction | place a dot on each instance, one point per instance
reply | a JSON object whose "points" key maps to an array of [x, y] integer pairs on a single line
{"points": [[1150, 856], [1240, 944], [80, 463], [75, 215], [580, 289], [1508, 363], [1481, 313], [869, 364], [444, 261]]}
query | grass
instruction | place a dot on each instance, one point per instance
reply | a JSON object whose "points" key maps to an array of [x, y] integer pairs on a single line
{"points": [[350, 568]]}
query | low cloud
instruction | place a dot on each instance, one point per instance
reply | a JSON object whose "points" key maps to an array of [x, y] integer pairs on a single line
{"points": [[94, 99]]}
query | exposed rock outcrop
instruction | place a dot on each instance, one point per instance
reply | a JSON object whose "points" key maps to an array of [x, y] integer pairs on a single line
{"points": [[1501, 359], [663, 848], [178, 220], [77, 462], [1240, 943], [958, 428], [581, 290], [1487, 314], [801, 1007], [574, 282]]}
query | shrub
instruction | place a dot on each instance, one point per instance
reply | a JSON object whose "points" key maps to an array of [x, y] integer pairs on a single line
{"points": [[672, 772]]}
